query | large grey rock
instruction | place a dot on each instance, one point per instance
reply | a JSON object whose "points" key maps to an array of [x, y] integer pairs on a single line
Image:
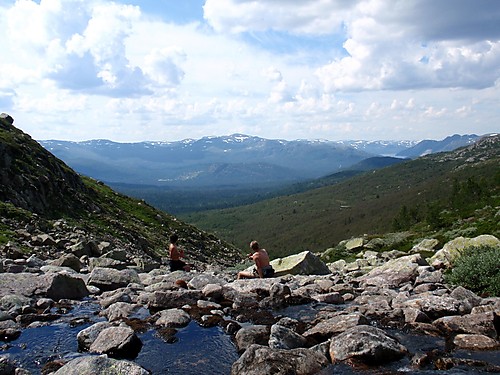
{"points": [[117, 342], [174, 318], [337, 324], [124, 310], [88, 335], [200, 281], [91, 365], [305, 263], [170, 299], [284, 338], [256, 334], [394, 273], [367, 344], [110, 279], [68, 260], [259, 360], [62, 286], [481, 324], [434, 306]]}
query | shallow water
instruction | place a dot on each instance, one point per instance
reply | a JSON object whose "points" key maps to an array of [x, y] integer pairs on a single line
{"points": [[198, 350], [210, 351]]}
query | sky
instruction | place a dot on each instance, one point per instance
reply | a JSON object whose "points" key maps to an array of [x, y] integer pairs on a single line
{"points": [[167, 70]]}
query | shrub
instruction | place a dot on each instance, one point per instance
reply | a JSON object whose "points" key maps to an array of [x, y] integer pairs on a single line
{"points": [[477, 269]]}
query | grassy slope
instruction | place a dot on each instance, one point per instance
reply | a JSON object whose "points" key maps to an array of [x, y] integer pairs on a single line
{"points": [[27, 169], [366, 204]]}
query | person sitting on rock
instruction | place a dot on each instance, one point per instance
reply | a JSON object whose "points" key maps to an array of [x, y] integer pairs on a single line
{"points": [[176, 253], [262, 267]]}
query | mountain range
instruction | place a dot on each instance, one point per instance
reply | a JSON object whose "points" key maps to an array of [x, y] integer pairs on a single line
{"points": [[234, 160]]}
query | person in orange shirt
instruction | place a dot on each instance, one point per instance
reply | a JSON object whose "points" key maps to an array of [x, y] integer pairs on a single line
{"points": [[262, 267], [176, 253]]}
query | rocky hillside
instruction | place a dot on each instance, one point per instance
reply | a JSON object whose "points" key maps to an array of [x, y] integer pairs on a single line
{"points": [[47, 208]]}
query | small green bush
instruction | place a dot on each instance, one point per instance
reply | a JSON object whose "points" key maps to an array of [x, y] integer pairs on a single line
{"points": [[477, 269]]}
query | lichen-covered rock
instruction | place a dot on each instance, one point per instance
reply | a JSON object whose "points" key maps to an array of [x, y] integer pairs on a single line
{"points": [[304, 263], [452, 250]]}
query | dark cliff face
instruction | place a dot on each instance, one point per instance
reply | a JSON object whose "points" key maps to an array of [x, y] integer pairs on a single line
{"points": [[33, 179]]}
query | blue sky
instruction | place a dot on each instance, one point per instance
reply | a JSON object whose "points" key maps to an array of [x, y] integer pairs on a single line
{"points": [[164, 70]]}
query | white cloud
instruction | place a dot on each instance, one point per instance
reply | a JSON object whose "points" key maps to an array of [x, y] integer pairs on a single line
{"points": [[296, 69]]}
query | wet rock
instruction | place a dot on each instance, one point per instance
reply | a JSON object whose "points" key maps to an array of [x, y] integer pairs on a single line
{"points": [[7, 367], [258, 360], [88, 335], [100, 365], [174, 318], [367, 344], [284, 338], [9, 330], [256, 334], [117, 342]]}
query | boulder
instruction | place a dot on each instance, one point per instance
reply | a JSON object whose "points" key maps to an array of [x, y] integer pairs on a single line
{"points": [[475, 342], [171, 299], [106, 263], [304, 263], [124, 310], [110, 279], [454, 248], [259, 360], [434, 306], [480, 324], [367, 344], [100, 365], [394, 273], [334, 325], [68, 260], [354, 243], [62, 286], [200, 281], [256, 334], [173, 318], [88, 335], [284, 338], [117, 342]]}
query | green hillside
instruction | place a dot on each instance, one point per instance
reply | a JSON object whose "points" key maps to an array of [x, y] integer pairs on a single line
{"points": [[40, 192], [444, 195]]}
